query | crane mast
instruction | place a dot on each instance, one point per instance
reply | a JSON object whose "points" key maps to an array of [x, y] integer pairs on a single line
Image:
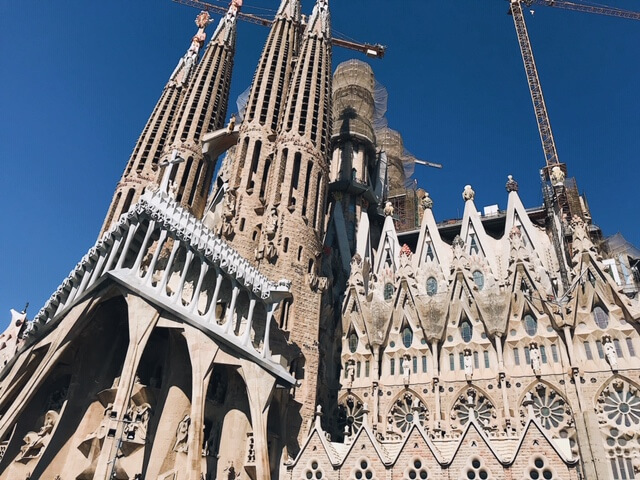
{"points": [[539, 107]]}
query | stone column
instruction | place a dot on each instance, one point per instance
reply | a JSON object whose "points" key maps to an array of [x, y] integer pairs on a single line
{"points": [[202, 351], [142, 319], [260, 387]]}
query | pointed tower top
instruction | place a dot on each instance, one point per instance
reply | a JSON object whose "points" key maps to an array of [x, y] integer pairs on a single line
{"points": [[320, 20], [188, 61], [225, 31], [289, 9]]}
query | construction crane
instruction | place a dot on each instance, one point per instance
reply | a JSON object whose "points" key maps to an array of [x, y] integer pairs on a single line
{"points": [[557, 198], [370, 50], [579, 7]]}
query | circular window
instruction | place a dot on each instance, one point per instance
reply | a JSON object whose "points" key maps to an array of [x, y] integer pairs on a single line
{"points": [[478, 279], [388, 291], [600, 317], [432, 286], [530, 325]]}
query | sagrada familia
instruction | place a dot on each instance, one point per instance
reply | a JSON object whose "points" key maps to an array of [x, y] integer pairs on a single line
{"points": [[303, 315]]}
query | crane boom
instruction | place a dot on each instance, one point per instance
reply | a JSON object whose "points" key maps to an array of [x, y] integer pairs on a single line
{"points": [[578, 7], [371, 50], [539, 107]]}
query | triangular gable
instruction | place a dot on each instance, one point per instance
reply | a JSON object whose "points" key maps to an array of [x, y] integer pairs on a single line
{"points": [[517, 217], [317, 446], [534, 431], [475, 237], [413, 445], [364, 444], [363, 238], [474, 438], [430, 245], [388, 248]]}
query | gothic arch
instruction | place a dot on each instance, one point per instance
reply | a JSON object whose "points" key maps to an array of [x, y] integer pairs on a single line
{"points": [[402, 410], [551, 409], [351, 411]]}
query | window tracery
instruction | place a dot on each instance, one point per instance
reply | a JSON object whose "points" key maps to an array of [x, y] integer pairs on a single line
{"points": [[539, 470], [404, 411], [618, 408], [476, 470], [350, 414], [363, 470], [313, 471], [483, 410], [432, 286], [530, 325], [466, 330], [478, 279], [416, 471], [388, 290], [552, 412], [600, 316]]}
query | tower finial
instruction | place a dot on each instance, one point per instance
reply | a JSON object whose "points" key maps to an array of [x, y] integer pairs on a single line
{"points": [[186, 64]]}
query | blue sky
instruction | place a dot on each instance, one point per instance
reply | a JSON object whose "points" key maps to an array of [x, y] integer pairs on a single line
{"points": [[79, 80]]}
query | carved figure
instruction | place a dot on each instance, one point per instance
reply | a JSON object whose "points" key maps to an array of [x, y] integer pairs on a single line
{"points": [[426, 202], [34, 442], [557, 176], [351, 370], [232, 124], [182, 435], [388, 209], [468, 365], [534, 353], [468, 193], [610, 352], [406, 369]]}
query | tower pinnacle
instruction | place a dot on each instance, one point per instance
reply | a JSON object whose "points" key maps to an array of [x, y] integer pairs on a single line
{"points": [[142, 168]]}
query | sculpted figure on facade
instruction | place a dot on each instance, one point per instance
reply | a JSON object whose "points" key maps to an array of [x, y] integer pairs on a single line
{"points": [[468, 193], [182, 435], [535, 358], [468, 365], [228, 211], [351, 373], [556, 176], [406, 370], [610, 352], [35, 442]]}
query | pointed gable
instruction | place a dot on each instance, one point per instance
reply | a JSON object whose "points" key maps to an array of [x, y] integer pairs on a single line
{"points": [[388, 254], [431, 247]]}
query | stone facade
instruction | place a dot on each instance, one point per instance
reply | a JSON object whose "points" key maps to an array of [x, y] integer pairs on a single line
{"points": [[294, 323]]}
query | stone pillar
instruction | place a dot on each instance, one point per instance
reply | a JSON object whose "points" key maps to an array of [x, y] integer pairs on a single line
{"points": [[142, 319], [260, 387], [592, 454], [202, 351]]}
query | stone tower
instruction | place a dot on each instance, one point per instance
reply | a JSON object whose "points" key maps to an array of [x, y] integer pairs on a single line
{"points": [[193, 102], [251, 162]]}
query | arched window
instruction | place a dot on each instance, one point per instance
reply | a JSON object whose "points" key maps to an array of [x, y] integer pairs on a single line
{"points": [[478, 279], [353, 342], [600, 316], [432, 286], [388, 291], [407, 336], [530, 325], [466, 330]]}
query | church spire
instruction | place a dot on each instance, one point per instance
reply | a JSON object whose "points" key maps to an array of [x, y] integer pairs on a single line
{"points": [[203, 110], [249, 166], [142, 168]]}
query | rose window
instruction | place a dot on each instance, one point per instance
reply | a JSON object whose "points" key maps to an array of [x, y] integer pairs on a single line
{"points": [[405, 409], [483, 411], [350, 414], [550, 409], [622, 407]]}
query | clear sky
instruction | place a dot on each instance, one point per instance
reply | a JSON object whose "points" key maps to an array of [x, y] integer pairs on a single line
{"points": [[80, 78]]}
